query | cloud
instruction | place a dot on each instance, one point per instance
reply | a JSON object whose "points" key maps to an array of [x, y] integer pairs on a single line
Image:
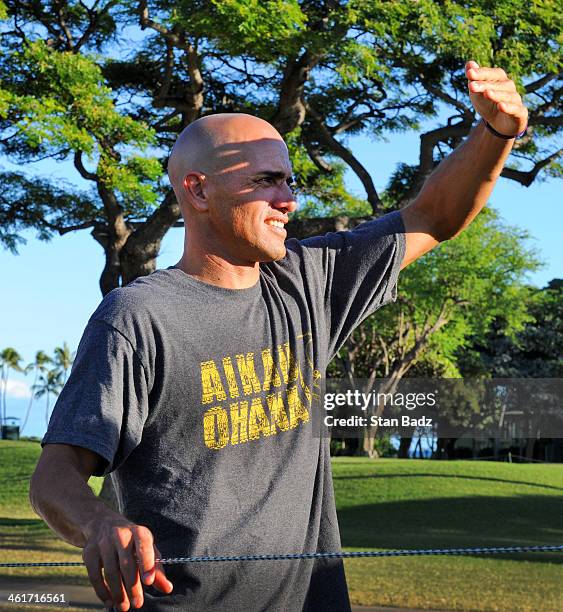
{"points": [[18, 389]]}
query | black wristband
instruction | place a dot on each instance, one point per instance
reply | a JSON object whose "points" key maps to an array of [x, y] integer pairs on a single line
{"points": [[503, 136]]}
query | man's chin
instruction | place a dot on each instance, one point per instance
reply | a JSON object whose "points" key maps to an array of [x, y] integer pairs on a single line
{"points": [[273, 255]]}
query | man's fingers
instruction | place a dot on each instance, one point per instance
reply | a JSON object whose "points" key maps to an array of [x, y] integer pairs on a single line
{"points": [[479, 86], [510, 108], [486, 74], [502, 96], [130, 574], [160, 581], [112, 577], [94, 568], [144, 546], [120, 558]]}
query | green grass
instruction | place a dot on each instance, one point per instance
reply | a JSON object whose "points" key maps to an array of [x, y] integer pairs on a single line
{"points": [[382, 504], [23, 536], [394, 503]]}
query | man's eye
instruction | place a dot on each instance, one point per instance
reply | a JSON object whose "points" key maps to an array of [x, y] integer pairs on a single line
{"points": [[291, 182]]}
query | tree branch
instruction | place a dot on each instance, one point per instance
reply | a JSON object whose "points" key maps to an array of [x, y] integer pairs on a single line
{"points": [[315, 226], [89, 176], [315, 156], [169, 65], [291, 109], [467, 114], [526, 178], [94, 18], [346, 155], [64, 27], [430, 139], [544, 80], [65, 229], [176, 38], [540, 120]]}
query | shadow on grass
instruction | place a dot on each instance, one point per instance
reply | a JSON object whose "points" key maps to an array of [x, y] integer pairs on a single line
{"points": [[23, 527], [458, 522], [26, 534], [23, 582], [22, 522], [461, 476]]}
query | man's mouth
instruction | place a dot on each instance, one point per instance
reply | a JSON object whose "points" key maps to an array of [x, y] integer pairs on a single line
{"points": [[275, 223]]}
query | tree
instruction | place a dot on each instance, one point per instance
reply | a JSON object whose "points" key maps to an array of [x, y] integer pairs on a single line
{"points": [[319, 71], [38, 366], [449, 296], [9, 360], [50, 383], [63, 360], [534, 352]]}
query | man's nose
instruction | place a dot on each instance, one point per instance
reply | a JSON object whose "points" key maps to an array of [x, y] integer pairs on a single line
{"points": [[285, 200]]}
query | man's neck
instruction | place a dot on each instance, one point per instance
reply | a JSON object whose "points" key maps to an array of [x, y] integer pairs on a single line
{"points": [[217, 271]]}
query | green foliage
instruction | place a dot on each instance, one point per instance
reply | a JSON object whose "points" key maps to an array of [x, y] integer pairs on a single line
{"points": [[467, 283], [38, 203], [84, 83], [320, 194], [47, 381], [71, 109], [535, 351], [482, 270], [266, 27], [10, 360]]}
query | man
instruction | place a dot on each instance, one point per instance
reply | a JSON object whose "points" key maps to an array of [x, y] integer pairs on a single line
{"points": [[194, 386]]}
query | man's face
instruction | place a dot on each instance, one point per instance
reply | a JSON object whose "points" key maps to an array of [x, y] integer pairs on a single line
{"points": [[250, 200]]}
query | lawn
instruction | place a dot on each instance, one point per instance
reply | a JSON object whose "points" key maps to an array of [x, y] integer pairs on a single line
{"points": [[383, 504], [433, 504]]}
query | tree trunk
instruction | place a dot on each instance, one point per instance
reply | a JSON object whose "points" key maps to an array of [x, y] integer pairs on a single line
{"points": [[530, 448], [404, 446], [368, 445], [138, 260], [450, 447], [445, 448], [139, 253]]}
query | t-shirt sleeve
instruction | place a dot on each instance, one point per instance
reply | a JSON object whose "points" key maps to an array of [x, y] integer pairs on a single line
{"points": [[360, 269], [104, 404]]}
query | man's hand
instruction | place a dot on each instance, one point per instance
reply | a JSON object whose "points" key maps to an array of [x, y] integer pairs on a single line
{"points": [[495, 98], [127, 554], [461, 185]]}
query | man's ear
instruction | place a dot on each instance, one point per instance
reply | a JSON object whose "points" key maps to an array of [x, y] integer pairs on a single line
{"points": [[194, 188]]}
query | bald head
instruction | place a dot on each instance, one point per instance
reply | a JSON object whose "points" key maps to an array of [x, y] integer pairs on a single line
{"points": [[217, 144], [231, 174]]}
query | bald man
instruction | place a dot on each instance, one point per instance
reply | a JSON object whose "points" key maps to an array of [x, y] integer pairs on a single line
{"points": [[197, 387]]}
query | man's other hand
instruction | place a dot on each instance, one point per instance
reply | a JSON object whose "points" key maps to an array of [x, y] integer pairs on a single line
{"points": [[495, 98], [126, 553]]}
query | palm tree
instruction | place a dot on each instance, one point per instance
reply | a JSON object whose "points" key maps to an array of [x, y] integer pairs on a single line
{"points": [[50, 382], [39, 365], [63, 359], [9, 360]]}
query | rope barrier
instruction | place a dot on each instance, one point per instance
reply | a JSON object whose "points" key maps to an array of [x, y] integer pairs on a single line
{"points": [[330, 555]]}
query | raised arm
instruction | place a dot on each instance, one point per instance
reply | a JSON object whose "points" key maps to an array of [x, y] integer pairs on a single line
{"points": [[60, 494], [461, 185]]}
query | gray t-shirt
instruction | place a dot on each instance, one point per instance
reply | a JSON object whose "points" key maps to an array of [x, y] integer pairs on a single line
{"points": [[202, 400]]}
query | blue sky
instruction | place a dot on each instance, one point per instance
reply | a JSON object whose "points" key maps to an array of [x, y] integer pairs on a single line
{"points": [[50, 289]]}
